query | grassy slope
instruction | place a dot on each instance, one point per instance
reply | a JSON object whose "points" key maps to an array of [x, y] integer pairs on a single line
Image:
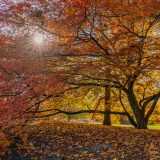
{"points": [[75, 141]]}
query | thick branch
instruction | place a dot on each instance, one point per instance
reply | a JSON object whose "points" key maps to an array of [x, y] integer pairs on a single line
{"points": [[58, 111], [114, 83], [70, 55], [131, 120], [149, 99], [153, 106]]}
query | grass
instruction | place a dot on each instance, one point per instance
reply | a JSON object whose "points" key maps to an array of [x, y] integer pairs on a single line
{"points": [[154, 126], [150, 126]]}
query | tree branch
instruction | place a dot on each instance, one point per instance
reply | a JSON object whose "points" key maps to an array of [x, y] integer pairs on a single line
{"points": [[131, 120], [153, 106], [58, 111]]}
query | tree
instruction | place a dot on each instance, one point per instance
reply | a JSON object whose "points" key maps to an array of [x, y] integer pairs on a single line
{"points": [[119, 41], [125, 42]]}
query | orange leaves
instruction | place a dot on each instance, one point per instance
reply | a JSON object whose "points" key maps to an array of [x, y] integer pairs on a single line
{"points": [[74, 141], [70, 11], [115, 28], [42, 1]]}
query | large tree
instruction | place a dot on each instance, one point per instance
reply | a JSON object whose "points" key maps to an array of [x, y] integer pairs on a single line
{"points": [[106, 44], [123, 37]]}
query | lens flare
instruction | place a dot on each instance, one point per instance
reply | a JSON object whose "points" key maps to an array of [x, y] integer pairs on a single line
{"points": [[38, 38], [37, 43]]}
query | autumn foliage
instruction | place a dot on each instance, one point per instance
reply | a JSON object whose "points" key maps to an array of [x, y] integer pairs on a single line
{"points": [[97, 57]]}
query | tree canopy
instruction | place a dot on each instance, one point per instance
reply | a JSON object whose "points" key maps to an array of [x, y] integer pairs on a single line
{"points": [[111, 45]]}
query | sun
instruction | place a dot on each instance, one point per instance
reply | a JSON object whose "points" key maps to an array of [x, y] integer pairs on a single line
{"points": [[38, 43], [38, 38]]}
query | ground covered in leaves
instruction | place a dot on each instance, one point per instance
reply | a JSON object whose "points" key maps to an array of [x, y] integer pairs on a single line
{"points": [[76, 141]]}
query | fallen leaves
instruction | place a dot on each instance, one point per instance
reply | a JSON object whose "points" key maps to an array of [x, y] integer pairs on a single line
{"points": [[74, 141]]}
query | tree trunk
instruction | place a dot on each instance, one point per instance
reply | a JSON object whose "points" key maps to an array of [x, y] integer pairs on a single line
{"points": [[138, 112], [107, 117], [142, 125], [141, 121]]}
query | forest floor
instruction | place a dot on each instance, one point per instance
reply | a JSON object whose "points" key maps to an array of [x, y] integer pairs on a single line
{"points": [[77, 141]]}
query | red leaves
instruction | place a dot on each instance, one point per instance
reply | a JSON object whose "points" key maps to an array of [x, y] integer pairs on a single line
{"points": [[19, 8], [23, 81]]}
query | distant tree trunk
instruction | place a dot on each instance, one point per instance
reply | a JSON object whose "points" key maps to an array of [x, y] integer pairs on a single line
{"points": [[107, 117]]}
